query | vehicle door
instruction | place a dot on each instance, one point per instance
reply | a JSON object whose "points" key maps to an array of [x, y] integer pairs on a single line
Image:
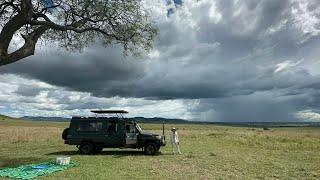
{"points": [[114, 135], [131, 134]]}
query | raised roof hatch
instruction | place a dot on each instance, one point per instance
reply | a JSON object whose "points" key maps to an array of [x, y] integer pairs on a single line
{"points": [[109, 111]]}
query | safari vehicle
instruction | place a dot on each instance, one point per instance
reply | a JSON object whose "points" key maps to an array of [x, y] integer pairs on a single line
{"points": [[92, 134]]}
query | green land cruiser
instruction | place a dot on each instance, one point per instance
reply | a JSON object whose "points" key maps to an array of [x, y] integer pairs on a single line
{"points": [[92, 134]]}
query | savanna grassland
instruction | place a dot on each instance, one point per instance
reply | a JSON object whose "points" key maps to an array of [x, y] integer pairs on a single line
{"points": [[209, 152]]}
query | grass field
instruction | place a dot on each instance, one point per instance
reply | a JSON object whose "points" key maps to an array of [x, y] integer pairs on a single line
{"points": [[209, 152]]}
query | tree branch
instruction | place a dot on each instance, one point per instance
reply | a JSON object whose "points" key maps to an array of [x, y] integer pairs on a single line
{"points": [[72, 27], [27, 49], [75, 24], [6, 4], [8, 31]]}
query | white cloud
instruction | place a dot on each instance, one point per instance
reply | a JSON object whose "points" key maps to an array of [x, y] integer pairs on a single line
{"points": [[308, 115], [307, 21], [214, 14], [58, 101], [286, 65], [154, 54], [276, 28]]}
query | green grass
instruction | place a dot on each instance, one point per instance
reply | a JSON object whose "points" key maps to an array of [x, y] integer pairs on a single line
{"points": [[209, 152]]}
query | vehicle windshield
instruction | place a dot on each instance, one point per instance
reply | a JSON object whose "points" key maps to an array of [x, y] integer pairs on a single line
{"points": [[139, 128]]}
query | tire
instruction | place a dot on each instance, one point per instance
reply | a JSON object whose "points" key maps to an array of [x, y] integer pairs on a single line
{"points": [[65, 134], [86, 148], [158, 148], [150, 148]]}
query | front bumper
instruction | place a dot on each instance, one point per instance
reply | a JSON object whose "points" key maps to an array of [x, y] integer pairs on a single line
{"points": [[163, 141]]}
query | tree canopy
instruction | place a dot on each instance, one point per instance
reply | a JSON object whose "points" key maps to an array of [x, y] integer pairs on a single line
{"points": [[73, 24]]}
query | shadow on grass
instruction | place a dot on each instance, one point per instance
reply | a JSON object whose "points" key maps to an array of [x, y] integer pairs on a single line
{"points": [[115, 153], [15, 162]]}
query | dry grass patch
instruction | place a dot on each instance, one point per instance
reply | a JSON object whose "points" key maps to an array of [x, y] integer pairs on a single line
{"points": [[29, 134]]}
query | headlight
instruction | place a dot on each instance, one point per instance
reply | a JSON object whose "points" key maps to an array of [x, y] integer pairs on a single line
{"points": [[159, 137]]}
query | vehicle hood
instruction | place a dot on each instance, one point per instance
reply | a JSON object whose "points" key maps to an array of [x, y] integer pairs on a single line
{"points": [[149, 134]]}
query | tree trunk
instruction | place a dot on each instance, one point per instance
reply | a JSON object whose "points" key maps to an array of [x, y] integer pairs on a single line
{"points": [[26, 50], [12, 27], [8, 32]]}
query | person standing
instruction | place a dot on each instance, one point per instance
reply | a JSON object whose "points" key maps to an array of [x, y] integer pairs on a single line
{"points": [[175, 141]]}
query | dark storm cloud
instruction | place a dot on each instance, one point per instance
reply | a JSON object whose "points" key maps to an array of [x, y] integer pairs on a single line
{"points": [[92, 71], [256, 107], [243, 25], [245, 61], [267, 106]]}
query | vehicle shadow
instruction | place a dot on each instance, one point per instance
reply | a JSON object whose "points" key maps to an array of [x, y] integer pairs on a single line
{"points": [[115, 153]]}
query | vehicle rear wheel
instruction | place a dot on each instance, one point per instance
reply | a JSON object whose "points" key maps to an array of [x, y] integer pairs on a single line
{"points": [[86, 148], [150, 148], [65, 134]]}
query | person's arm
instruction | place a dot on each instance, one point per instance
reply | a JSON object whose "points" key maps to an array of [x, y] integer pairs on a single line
{"points": [[177, 138]]}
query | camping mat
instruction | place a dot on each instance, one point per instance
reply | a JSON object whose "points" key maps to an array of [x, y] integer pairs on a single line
{"points": [[34, 170]]}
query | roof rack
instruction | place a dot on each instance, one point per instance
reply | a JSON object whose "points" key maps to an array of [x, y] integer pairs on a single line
{"points": [[109, 111]]}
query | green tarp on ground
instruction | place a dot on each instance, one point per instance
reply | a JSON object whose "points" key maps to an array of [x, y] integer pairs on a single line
{"points": [[34, 170]]}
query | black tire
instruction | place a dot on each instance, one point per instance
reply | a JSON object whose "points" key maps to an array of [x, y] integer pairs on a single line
{"points": [[86, 148], [150, 148], [65, 134], [158, 148]]}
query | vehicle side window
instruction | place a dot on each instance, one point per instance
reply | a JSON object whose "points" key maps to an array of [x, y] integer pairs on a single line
{"points": [[89, 126], [130, 128], [112, 127], [127, 128]]}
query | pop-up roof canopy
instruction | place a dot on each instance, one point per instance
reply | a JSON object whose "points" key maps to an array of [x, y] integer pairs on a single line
{"points": [[109, 111]]}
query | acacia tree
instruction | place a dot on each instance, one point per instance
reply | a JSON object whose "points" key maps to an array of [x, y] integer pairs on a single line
{"points": [[73, 24]]}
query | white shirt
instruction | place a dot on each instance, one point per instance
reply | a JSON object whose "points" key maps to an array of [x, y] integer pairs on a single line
{"points": [[174, 137]]}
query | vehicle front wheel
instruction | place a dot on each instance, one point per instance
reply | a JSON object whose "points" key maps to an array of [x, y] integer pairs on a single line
{"points": [[150, 148], [86, 148], [158, 148]]}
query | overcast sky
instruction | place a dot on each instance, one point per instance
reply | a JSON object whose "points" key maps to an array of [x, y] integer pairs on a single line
{"points": [[213, 60]]}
